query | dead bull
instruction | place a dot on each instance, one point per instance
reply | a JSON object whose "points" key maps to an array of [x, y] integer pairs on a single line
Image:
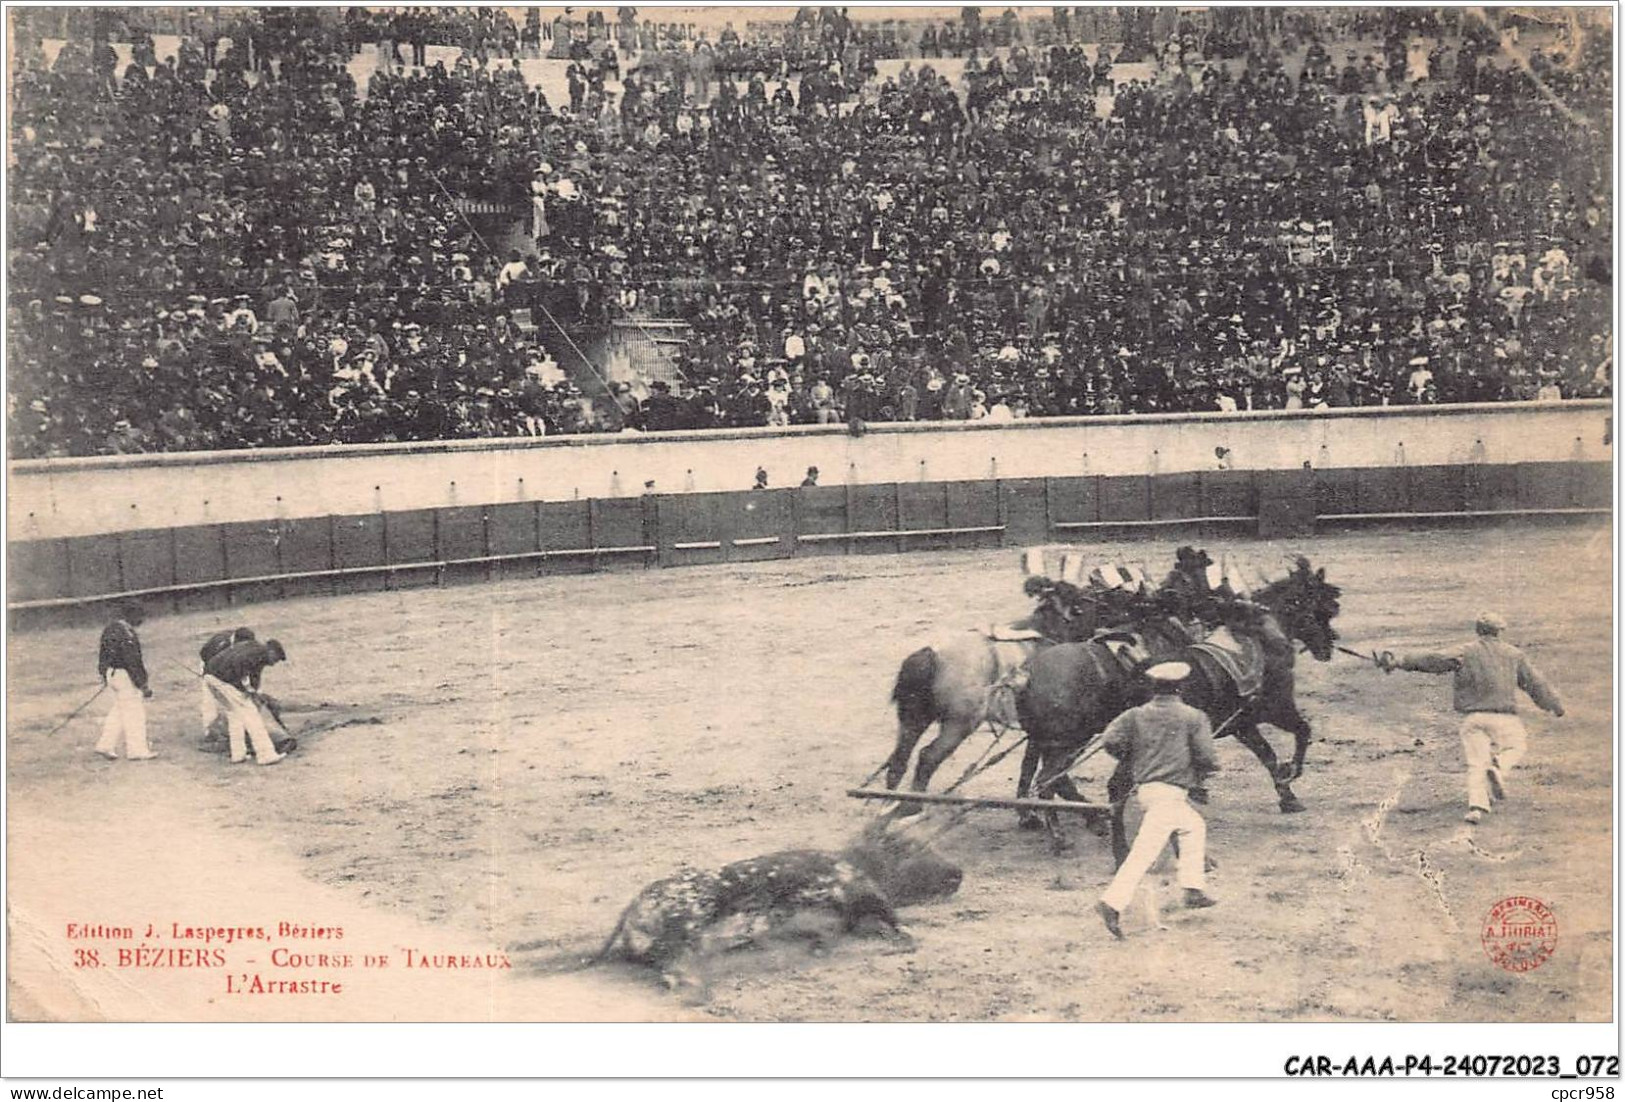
{"points": [[812, 894]]}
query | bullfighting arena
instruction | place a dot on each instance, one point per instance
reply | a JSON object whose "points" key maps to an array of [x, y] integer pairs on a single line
{"points": [[500, 768]]}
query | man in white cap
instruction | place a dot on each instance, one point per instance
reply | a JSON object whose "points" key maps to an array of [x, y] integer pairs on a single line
{"points": [[1167, 747], [1488, 674]]}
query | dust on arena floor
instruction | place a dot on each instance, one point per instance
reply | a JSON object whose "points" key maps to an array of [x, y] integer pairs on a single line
{"points": [[544, 748]]}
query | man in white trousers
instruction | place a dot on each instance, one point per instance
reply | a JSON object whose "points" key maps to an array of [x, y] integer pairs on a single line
{"points": [[1488, 674], [122, 670], [233, 675], [1168, 748], [209, 708]]}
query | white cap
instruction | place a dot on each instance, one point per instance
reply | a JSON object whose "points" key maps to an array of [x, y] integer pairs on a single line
{"points": [[1169, 673]]}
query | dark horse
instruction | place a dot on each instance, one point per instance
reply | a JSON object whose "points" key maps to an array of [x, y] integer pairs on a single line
{"points": [[1075, 689]]}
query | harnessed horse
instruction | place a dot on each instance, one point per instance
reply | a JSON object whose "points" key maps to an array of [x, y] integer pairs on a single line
{"points": [[1073, 690]]}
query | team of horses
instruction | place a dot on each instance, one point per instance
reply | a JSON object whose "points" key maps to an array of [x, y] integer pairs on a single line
{"points": [[1078, 677]]}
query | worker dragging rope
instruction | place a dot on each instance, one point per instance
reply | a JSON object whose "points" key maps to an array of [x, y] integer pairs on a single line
{"points": [[232, 676]]}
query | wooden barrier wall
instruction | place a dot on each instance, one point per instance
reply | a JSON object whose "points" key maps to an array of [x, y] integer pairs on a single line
{"points": [[99, 495], [211, 565]]}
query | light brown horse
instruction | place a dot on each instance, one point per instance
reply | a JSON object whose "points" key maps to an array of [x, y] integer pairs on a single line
{"points": [[952, 684]]}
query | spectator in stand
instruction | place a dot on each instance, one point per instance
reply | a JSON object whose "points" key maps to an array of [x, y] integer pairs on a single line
{"points": [[1049, 223]]}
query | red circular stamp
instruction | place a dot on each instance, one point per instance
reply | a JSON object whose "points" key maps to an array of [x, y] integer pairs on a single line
{"points": [[1520, 933]]}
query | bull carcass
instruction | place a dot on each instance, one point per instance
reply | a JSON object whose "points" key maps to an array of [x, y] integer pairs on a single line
{"points": [[810, 895]]}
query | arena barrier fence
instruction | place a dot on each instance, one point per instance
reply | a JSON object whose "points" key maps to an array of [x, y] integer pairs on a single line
{"points": [[67, 579], [106, 494]]}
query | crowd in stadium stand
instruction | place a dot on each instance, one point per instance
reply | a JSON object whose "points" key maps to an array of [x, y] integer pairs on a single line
{"points": [[237, 247]]}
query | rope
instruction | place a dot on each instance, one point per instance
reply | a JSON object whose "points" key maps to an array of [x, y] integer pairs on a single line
{"points": [[77, 710], [953, 819], [950, 821], [188, 669], [1088, 749], [999, 730], [976, 766], [989, 764], [956, 817], [1232, 717], [970, 772], [879, 769]]}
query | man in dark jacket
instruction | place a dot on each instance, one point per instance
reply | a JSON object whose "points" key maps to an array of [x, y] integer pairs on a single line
{"points": [[233, 676], [661, 413], [221, 640], [120, 666], [208, 707]]}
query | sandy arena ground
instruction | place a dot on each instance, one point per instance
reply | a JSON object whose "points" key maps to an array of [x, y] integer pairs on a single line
{"points": [[531, 753]]}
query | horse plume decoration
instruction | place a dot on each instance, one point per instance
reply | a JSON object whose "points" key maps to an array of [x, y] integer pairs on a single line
{"points": [[953, 683], [1073, 690]]}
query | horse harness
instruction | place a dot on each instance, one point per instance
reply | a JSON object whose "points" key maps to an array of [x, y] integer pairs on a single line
{"points": [[1240, 657], [1013, 648]]}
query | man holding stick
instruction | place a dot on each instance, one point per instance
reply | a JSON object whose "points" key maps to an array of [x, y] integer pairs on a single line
{"points": [[122, 670], [233, 676]]}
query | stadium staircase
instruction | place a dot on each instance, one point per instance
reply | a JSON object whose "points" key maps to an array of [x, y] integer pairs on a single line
{"points": [[580, 351], [636, 349], [644, 348]]}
